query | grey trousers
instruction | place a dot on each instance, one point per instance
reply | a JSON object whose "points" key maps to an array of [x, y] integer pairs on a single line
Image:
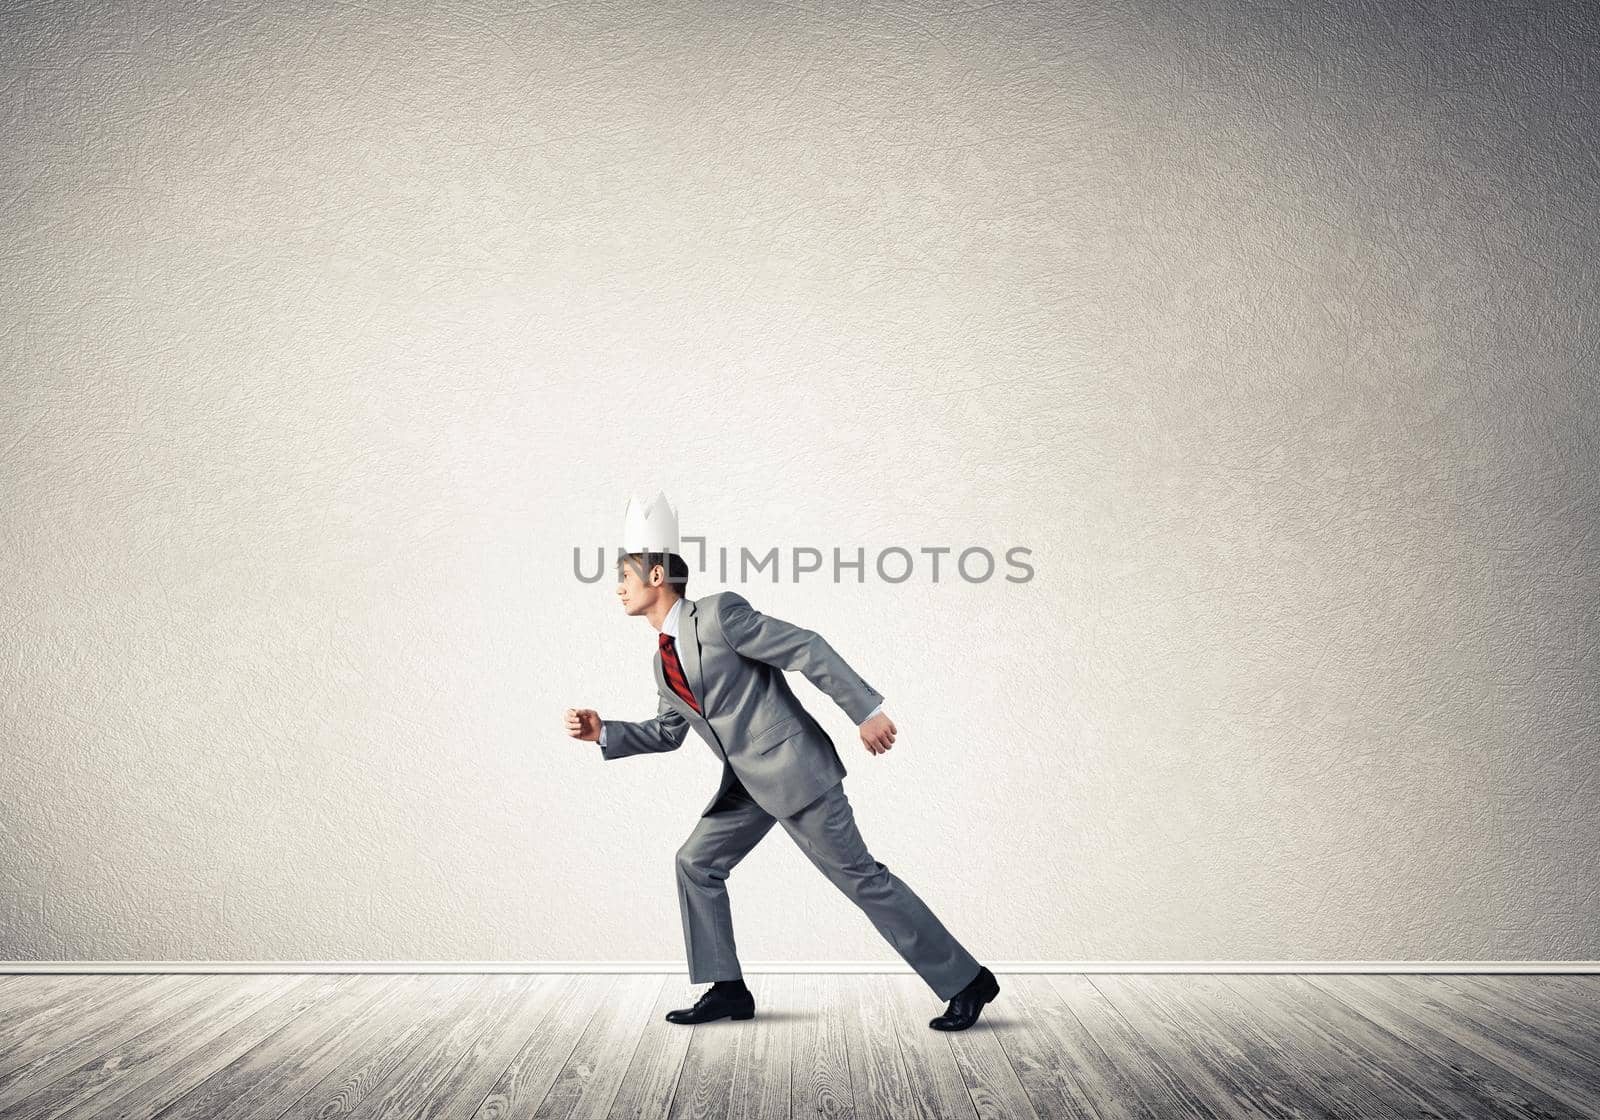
{"points": [[825, 831]]}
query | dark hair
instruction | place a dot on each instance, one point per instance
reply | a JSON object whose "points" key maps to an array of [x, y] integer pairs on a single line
{"points": [[677, 569]]}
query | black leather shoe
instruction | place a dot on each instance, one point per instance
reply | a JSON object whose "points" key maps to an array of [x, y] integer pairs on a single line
{"points": [[713, 1004], [968, 1002]]}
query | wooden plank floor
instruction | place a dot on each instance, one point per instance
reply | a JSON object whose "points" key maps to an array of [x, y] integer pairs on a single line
{"points": [[1093, 1047]]}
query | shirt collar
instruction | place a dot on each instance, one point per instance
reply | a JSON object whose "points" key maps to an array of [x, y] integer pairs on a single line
{"points": [[669, 625]]}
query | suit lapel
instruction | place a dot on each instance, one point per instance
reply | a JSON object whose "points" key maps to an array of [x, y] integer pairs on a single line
{"points": [[661, 678], [688, 646]]}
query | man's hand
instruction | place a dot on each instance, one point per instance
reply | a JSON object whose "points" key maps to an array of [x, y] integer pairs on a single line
{"points": [[878, 733], [583, 723]]}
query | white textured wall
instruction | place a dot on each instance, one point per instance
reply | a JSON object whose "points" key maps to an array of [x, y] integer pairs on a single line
{"points": [[328, 331]]}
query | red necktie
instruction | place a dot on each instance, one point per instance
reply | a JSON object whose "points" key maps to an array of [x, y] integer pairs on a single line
{"points": [[673, 671]]}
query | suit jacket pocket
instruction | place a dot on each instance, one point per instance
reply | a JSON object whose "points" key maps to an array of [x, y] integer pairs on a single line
{"points": [[771, 736]]}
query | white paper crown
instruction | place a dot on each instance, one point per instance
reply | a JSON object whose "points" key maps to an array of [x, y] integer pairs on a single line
{"points": [[650, 528]]}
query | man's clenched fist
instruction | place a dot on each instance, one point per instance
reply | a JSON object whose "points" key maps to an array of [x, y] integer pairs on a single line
{"points": [[877, 734], [583, 723]]}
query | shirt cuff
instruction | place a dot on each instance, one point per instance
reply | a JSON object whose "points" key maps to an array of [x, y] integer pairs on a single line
{"points": [[602, 741], [872, 713]]}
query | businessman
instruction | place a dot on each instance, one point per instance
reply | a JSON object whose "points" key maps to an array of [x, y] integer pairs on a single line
{"points": [[719, 669]]}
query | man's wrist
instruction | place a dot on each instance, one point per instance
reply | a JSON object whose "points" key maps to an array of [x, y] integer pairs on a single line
{"points": [[875, 711]]}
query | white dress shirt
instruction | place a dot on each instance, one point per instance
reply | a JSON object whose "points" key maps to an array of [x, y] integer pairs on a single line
{"points": [[669, 627]]}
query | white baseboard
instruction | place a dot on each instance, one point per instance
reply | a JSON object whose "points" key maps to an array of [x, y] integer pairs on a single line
{"points": [[794, 966]]}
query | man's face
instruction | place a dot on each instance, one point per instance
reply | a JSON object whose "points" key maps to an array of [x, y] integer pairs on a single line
{"points": [[639, 595]]}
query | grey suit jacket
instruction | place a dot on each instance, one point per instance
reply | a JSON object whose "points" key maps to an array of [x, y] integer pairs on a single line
{"points": [[733, 658]]}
